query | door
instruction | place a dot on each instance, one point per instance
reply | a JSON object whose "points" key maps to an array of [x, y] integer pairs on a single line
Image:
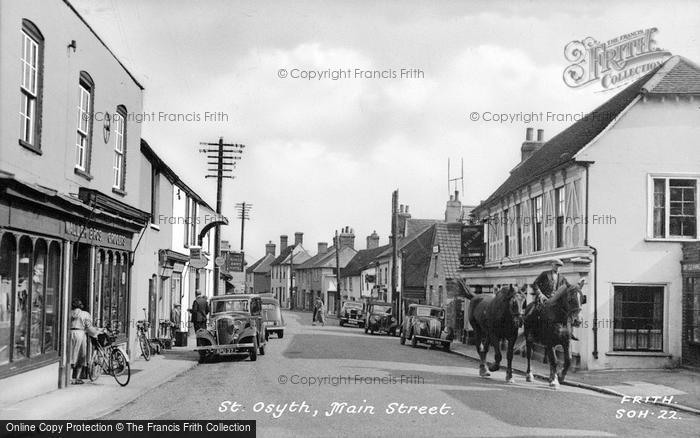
{"points": [[152, 297]]}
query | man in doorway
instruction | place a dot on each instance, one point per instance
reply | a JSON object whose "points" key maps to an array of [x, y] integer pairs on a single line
{"points": [[175, 320], [200, 310]]}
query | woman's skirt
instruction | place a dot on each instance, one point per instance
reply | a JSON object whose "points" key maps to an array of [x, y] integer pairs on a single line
{"points": [[78, 347]]}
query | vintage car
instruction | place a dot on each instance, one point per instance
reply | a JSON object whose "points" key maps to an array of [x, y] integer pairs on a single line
{"points": [[380, 318], [426, 324], [235, 326], [273, 322], [352, 312]]}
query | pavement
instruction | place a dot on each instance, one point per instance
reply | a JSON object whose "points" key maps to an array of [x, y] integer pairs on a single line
{"points": [[96, 399], [682, 385]]}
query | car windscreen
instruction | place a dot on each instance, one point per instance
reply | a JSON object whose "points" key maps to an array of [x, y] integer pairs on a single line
{"points": [[231, 306], [425, 311], [271, 312], [381, 309]]}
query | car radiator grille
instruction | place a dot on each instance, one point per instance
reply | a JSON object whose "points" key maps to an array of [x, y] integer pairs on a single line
{"points": [[224, 330]]}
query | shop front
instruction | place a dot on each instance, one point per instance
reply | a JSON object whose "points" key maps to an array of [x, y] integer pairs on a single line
{"points": [[54, 248], [691, 305]]}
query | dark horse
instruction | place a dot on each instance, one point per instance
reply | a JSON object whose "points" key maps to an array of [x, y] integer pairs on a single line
{"points": [[550, 326], [493, 318]]}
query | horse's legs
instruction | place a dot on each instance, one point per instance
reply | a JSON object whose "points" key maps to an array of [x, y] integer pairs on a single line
{"points": [[567, 360], [528, 349], [552, 358], [495, 342], [509, 357], [483, 348]]}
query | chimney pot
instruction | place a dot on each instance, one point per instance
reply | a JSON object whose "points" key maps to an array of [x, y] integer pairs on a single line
{"points": [[283, 242], [528, 134], [270, 248], [298, 238], [540, 135], [322, 247]]}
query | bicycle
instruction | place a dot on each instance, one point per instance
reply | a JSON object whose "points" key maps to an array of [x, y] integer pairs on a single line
{"points": [[142, 327], [107, 358]]}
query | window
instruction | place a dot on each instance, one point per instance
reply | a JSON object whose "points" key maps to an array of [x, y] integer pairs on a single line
{"points": [[674, 208], [119, 165], [440, 297], [29, 296], [537, 224], [193, 223], [638, 323], [187, 222], [155, 194], [506, 238], [692, 293], [32, 61], [519, 224], [83, 140], [560, 200]]}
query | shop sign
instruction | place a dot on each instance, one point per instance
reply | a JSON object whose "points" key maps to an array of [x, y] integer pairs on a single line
{"points": [[96, 236], [472, 253], [234, 262]]}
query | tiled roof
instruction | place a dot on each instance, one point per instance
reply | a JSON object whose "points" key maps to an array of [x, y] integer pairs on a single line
{"points": [[416, 259], [327, 259], [676, 75], [449, 239], [261, 266], [415, 226], [361, 260], [280, 259], [311, 263]]}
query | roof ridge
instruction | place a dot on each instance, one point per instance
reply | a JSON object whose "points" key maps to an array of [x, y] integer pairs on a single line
{"points": [[666, 67]]}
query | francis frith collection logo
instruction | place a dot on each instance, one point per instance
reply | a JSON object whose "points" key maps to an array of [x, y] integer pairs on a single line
{"points": [[612, 63]]}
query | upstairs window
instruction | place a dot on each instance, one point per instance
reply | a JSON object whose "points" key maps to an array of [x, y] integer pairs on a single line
{"points": [[32, 61], [561, 209], [119, 163], [155, 194], [674, 208], [83, 141], [537, 224], [519, 224]]}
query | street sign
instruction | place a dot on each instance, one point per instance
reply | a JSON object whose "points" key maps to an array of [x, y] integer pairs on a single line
{"points": [[219, 261], [195, 252], [472, 253], [234, 262]]}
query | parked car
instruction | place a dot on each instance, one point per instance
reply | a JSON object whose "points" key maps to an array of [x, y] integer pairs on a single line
{"points": [[380, 318], [426, 324], [273, 322], [235, 326], [352, 312]]}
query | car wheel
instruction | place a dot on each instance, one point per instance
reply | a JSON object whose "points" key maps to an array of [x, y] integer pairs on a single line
{"points": [[254, 352], [203, 356], [414, 341], [446, 346], [341, 323], [280, 335]]}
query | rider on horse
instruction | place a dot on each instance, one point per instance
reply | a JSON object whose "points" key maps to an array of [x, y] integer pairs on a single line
{"points": [[544, 286]]}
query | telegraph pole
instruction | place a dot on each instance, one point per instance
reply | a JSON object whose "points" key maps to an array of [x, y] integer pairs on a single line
{"points": [[223, 154], [337, 269], [244, 215], [394, 252]]}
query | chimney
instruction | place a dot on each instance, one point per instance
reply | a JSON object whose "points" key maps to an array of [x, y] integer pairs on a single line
{"points": [[270, 248], [322, 247], [347, 238], [373, 240], [453, 210], [283, 242], [401, 219], [530, 145], [298, 238]]}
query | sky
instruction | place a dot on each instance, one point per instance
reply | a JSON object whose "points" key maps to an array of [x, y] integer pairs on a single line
{"points": [[322, 154]]}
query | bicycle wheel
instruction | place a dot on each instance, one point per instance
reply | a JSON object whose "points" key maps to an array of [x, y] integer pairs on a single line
{"points": [[145, 346], [95, 369], [119, 367]]}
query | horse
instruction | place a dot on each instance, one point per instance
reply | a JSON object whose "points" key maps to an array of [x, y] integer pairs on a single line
{"points": [[493, 318], [551, 326]]}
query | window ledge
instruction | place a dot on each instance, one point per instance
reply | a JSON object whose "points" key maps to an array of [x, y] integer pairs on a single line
{"points": [[31, 147], [671, 239], [118, 191], [84, 174], [638, 353]]}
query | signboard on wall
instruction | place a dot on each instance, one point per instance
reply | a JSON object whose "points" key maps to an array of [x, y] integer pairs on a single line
{"points": [[234, 262], [472, 249]]}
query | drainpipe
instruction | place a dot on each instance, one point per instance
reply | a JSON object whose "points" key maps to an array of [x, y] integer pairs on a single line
{"points": [[595, 275]]}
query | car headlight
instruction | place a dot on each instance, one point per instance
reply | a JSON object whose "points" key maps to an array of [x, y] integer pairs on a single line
{"points": [[423, 326], [237, 325]]}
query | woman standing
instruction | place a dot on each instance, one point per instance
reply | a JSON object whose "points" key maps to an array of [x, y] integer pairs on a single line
{"points": [[322, 313], [80, 321]]}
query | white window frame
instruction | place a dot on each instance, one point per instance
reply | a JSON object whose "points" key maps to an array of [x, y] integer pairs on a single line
{"points": [[83, 130], [666, 318], [30, 90], [650, 206], [119, 136]]}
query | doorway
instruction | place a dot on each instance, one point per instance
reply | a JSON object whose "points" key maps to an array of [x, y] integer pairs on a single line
{"points": [[81, 276]]}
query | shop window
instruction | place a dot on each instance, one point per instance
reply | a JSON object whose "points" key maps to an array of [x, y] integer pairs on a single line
{"points": [[692, 289], [21, 317], [8, 261], [638, 323], [37, 298], [52, 298], [110, 268]]}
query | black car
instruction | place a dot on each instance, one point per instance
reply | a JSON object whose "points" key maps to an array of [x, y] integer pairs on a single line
{"points": [[273, 322], [380, 318], [352, 312]]}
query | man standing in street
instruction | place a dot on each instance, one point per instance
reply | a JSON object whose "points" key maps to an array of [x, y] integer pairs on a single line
{"points": [[200, 310]]}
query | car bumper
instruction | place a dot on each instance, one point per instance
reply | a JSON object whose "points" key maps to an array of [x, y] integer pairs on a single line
{"points": [[353, 321]]}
